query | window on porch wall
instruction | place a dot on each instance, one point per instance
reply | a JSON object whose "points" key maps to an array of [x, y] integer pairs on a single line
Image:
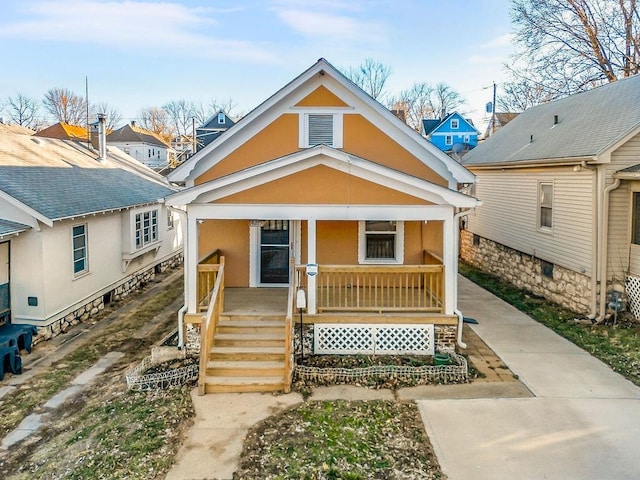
{"points": [[381, 241]]}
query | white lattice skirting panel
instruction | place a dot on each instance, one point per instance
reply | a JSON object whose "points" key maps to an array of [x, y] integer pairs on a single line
{"points": [[633, 295], [373, 339]]}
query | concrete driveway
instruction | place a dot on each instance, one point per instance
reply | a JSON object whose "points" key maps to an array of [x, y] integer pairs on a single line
{"points": [[583, 423]]}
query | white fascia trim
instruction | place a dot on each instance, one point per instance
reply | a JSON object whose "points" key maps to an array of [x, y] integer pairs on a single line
{"points": [[34, 214], [322, 155], [215, 211]]}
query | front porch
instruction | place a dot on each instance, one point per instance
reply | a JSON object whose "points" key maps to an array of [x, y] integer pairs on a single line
{"points": [[247, 333]]}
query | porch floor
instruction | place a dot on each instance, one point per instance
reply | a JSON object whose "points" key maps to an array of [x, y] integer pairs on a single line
{"points": [[252, 301]]}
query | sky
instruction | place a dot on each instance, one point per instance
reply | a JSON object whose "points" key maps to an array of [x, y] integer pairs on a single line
{"points": [[143, 53]]}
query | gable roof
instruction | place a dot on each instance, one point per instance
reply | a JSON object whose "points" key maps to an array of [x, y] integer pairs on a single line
{"points": [[433, 125], [53, 179], [321, 155], [134, 134], [429, 125], [64, 131], [429, 154], [589, 125]]}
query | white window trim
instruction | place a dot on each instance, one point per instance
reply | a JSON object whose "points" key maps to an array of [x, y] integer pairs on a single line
{"points": [[448, 139], [303, 127], [540, 227], [457, 124], [85, 271], [152, 241], [362, 246]]}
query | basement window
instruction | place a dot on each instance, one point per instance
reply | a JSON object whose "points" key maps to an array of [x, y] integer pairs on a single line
{"points": [[546, 268]]}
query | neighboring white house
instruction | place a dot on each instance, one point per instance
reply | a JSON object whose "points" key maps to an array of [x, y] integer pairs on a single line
{"points": [[143, 145], [560, 186], [78, 228]]}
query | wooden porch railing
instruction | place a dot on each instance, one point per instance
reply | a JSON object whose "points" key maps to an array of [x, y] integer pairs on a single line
{"points": [[210, 323], [207, 276], [378, 288]]}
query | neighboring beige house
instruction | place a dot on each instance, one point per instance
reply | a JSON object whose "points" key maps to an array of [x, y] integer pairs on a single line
{"points": [[322, 192], [560, 186], [78, 228]]}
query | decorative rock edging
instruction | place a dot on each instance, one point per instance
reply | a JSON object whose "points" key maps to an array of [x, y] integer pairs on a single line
{"points": [[457, 373], [137, 380]]}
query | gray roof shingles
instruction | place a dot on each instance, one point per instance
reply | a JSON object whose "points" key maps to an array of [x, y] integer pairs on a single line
{"points": [[588, 124], [8, 227], [59, 193]]}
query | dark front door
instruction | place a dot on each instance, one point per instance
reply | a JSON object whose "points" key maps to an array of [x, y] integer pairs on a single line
{"points": [[274, 252]]}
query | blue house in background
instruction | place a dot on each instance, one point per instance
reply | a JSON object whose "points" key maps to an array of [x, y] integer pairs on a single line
{"points": [[454, 133]]}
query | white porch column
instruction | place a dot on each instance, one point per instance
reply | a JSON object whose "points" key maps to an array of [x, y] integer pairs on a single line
{"points": [[191, 264], [311, 258], [449, 258]]}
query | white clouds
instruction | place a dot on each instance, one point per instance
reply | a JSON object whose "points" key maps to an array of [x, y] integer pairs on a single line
{"points": [[155, 28], [328, 19], [499, 42]]}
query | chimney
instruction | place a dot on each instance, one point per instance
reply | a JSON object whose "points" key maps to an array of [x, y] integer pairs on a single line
{"points": [[133, 123], [400, 114], [99, 137]]}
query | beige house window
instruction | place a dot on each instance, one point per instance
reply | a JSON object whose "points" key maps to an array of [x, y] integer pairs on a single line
{"points": [[545, 202], [79, 245], [635, 220]]}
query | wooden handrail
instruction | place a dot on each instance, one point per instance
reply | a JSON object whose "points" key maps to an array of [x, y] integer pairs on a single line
{"points": [[209, 325], [212, 258], [288, 333]]}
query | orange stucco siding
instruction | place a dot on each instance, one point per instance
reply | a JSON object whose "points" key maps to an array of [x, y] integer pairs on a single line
{"points": [[322, 185], [231, 237], [321, 97], [365, 140], [277, 139], [337, 242]]}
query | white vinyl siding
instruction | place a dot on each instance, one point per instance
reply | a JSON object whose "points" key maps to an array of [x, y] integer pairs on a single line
{"points": [[509, 214]]}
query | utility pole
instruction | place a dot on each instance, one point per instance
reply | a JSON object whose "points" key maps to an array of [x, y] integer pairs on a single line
{"points": [[493, 110], [193, 134]]}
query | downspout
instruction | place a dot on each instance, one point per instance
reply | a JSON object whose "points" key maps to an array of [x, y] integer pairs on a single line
{"points": [[604, 234], [595, 230], [456, 219], [183, 309]]}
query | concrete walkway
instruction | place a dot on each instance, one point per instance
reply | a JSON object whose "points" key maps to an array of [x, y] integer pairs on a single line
{"points": [[583, 422]]}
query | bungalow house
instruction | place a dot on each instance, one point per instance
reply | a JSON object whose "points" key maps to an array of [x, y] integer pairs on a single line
{"points": [[78, 228], [453, 133], [561, 199], [328, 198], [144, 145]]}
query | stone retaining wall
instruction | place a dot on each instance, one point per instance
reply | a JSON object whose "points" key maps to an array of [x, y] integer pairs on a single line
{"points": [[97, 304], [564, 287]]}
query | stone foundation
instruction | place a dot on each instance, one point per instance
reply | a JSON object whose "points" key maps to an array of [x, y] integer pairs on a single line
{"points": [[96, 305], [560, 285]]}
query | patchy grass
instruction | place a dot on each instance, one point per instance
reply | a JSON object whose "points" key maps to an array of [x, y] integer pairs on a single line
{"points": [[616, 345], [340, 440]]}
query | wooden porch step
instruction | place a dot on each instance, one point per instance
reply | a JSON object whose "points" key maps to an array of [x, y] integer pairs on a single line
{"points": [[249, 327], [251, 318], [244, 353], [249, 340], [217, 384], [257, 368]]}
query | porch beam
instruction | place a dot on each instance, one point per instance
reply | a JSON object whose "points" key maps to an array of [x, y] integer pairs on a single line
{"points": [[321, 212]]}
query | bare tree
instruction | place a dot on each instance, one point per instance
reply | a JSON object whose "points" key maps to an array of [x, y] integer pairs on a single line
{"points": [[520, 94], [113, 115], [23, 110], [157, 120], [371, 76], [228, 106], [567, 46], [66, 106], [181, 114], [422, 101]]}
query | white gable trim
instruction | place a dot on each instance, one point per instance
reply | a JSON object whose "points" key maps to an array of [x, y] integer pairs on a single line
{"points": [[321, 155], [373, 111]]}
